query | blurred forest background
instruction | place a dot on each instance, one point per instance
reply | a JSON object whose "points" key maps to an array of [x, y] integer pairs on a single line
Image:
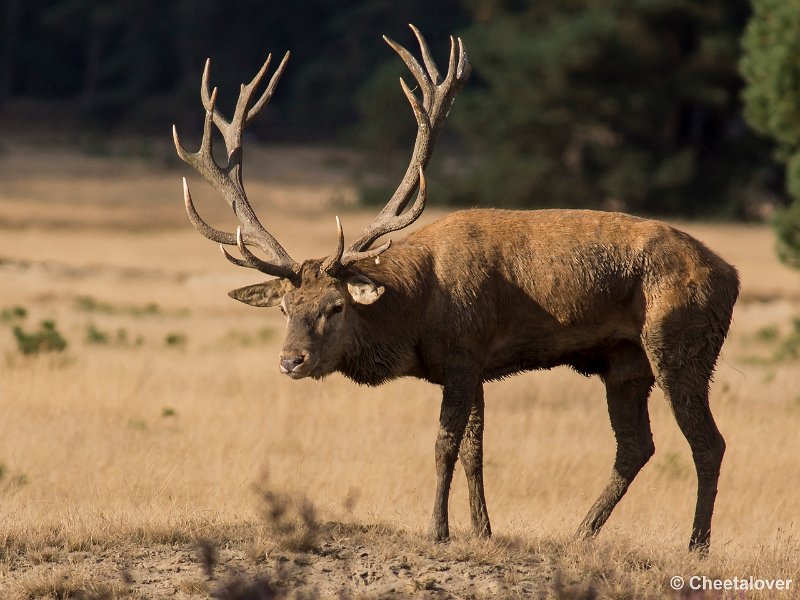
{"points": [[629, 105]]}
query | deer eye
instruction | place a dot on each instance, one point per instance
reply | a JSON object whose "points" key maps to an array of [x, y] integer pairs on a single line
{"points": [[336, 308]]}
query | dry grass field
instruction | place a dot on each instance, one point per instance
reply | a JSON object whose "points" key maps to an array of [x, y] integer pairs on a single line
{"points": [[162, 454]]}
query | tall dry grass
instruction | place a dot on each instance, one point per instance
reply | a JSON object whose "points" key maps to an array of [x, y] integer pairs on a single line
{"points": [[149, 442]]}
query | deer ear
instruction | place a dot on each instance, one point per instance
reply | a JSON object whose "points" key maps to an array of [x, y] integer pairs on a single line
{"points": [[269, 293], [363, 290]]}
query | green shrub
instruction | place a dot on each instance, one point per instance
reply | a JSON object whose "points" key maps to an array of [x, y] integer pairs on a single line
{"points": [[13, 313], [787, 229], [771, 71], [769, 333], [90, 304], [122, 339], [789, 348], [237, 337], [95, 335], [137, 424], [46, 339], [175, 340]]}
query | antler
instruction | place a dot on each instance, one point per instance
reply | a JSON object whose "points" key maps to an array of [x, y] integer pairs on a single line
{"points": [[227, 180], [437, 98]]}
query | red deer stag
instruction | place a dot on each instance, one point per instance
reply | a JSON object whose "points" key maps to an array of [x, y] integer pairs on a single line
{"points": [[484, 294]]}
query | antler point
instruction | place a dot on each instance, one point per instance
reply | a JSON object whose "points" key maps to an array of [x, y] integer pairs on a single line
{"points": [[227, 182]]}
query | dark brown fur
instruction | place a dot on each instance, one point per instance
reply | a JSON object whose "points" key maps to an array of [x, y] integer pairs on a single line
{"points": [[484, 294]]}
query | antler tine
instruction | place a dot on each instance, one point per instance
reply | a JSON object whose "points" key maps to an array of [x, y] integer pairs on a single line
{"points": [[251, 261], [419, 74], [220, 121], [404, 220], [254, 262], [464, 68], [228, 180], [221, 237], [430, 65], [430, 112], [340, 259], [330, 264], [351, 257], [267, 95], [237, 261]]}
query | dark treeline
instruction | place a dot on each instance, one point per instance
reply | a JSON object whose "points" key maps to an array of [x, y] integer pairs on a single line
{"points": [[141, 60], [629, 104]]}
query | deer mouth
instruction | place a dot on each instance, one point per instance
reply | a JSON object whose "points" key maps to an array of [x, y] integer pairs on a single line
{"points": [[298, 366], [295, 374]]}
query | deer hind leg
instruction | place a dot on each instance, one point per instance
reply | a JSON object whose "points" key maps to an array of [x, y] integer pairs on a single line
{"points": [[471, 456], [628, 383], [457, 398], [684, 364], [694, 417]]}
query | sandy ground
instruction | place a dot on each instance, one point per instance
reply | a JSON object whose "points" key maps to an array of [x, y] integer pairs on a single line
{"points": [[134, 468]]}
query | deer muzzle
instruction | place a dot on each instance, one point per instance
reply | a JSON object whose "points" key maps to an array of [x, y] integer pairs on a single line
{"points": [[293, 364]]}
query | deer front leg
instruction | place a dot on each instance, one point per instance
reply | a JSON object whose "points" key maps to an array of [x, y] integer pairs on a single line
{"points": [[471, 456], [457, 396]]}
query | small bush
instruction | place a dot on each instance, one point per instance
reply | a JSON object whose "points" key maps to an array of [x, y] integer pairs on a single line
{"points": [[787, 227], [137, 424], [768, 334], [46, 339], [95, 335], [784, 347], [789, 348], [237, 337], [168, 412], [175, 340], [89, 304], [122, 339], [13, 313], [673, 467], [92, 305]]}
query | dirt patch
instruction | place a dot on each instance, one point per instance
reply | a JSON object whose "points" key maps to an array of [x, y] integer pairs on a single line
{"points": [[349, 562]]}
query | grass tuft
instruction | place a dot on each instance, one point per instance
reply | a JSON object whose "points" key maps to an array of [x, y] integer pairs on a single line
{"points": [[290, 519]]}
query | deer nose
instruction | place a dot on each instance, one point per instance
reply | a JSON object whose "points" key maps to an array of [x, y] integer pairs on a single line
{"points": [[291, 362]]}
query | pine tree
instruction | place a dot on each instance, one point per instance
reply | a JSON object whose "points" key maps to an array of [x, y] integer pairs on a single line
{"points": [[613, 103], [771, 68]]}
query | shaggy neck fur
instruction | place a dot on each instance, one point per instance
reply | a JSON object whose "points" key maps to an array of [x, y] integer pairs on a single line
{"points": [[385, 337]]}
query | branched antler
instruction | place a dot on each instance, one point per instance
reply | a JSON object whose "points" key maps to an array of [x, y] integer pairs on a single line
{"points": [[227, 180], [437, 98]]}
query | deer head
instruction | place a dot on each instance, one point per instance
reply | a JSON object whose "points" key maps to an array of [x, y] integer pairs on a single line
{"points": [[320, 298]]}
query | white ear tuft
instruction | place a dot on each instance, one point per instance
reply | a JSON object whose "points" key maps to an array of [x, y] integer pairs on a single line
{"points": [[363, 290]]}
